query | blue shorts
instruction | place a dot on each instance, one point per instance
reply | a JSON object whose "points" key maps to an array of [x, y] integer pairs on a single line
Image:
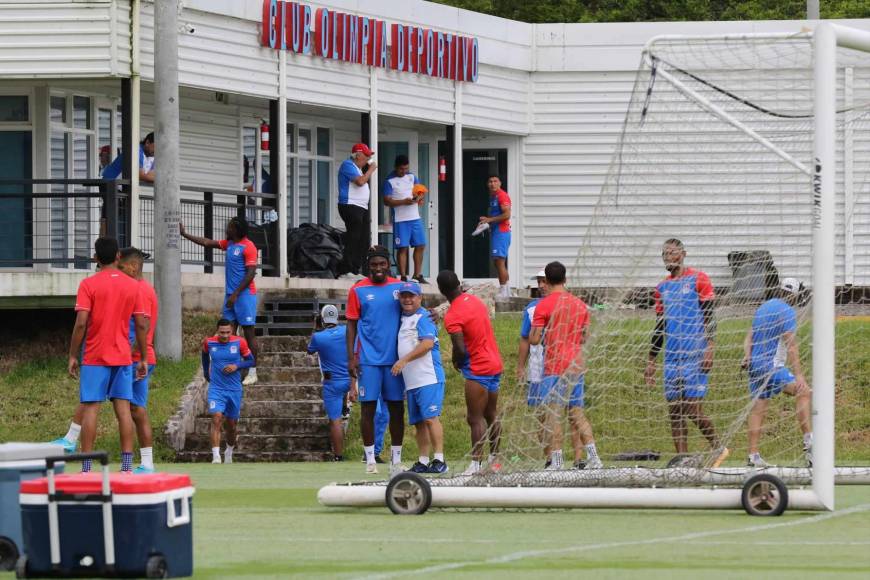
{"points": [[553, 391], [409, 233], [766, 385], [140, 387], [534, 396], [333, 397], [684, 379], [501, 243], [376, 381], [98, 383], [226, 402], [244, 311], [488, 382], [425, 402]]}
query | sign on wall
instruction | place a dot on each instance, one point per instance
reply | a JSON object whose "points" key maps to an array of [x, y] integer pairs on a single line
{"points": [[362, 40]]}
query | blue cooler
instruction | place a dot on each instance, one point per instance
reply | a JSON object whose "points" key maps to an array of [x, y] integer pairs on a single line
{"points": [[18, 462], [91, 524]]}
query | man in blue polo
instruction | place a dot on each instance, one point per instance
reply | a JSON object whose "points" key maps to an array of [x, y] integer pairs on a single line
{"points": [[354, 175]]}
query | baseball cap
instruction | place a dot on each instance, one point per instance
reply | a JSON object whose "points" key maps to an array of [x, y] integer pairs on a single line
{"points": [[540, 274], [105, 149], [329, 314], [410, 288], [792, 285], [362, 148]]}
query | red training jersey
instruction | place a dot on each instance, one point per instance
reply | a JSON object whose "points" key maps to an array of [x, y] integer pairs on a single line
{"points": [[149, 299], [496, 203], [564, 318], [112, 298], [469, 315]]}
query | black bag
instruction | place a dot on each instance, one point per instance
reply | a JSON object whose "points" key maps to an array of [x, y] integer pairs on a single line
{"points": [[314, 251]]}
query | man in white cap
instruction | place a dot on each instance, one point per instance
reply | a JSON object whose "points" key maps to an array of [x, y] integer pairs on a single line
{"points": [[530, 360], [331, 348], [772, 358]]}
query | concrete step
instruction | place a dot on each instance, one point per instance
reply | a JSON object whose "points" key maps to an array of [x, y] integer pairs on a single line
{"points": [[293, 409], [265, 443], [283, 392], [283, 343], [243, 457], [283, 426], [284, 375], [287, 359]]}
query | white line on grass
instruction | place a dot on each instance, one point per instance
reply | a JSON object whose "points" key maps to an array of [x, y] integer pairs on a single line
{"points": [[513, 557]]}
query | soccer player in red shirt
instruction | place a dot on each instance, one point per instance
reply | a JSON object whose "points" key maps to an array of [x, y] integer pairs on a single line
{"points": [[565, 319], [240, 269], [476, 356], [105, 304], [499, 220]]}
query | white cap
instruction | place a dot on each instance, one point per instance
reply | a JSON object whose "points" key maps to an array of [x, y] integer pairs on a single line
{"points": [[792, 285], [329, 314], [540, 274]]}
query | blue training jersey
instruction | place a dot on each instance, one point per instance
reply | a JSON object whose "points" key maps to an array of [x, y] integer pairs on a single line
{"points": [[217, 355], [377, 310], [240, 255], [679, 301], [528, 314], [426, 370], [331, 348], [771, 321]]}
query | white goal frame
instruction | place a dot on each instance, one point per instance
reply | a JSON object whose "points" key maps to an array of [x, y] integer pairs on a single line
{"points": [[826, 38]]}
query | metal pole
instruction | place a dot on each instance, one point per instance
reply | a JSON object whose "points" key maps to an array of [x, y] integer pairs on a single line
{"points": [[824, 180], [812, 9], [133, 109], [167, 197]]}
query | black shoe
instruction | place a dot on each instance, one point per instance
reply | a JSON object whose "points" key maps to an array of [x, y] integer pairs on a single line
{"points": [[420, 279], [547, 464], [338, 457], [419, 468], [403, 278], [378, 459], [579, 464]]}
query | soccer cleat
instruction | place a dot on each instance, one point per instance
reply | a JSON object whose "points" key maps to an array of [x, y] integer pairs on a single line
{"points": [[580, 464], [547, 464], [756, 461], [337, 458], [721, 457], [594, 463], [553, 467], [470, 470], [216, 459], [251, 379], [68, 446], [481, 227], [438, 466], [419, 468], [808, 455], [371, 468], [141, 470]]}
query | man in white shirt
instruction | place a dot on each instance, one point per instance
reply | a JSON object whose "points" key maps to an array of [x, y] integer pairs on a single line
{"points": [[408, 228], [353, 204]]}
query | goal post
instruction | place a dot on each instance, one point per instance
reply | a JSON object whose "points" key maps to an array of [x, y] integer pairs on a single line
{"points": [[752, 118]]}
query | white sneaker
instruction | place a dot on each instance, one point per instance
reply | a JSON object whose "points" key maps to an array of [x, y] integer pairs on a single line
{"points": [[228, 456], [808, 455], [251, 379], [482, 227], [397, 468], [594, 463], [470, 470], [371, 468], [755, 460], [216, 459]]}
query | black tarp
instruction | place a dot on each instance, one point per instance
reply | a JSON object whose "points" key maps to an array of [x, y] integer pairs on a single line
{"points": [[314, 251]]}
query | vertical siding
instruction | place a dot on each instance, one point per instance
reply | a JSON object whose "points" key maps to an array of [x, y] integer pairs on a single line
{"points": [[498, 101]]}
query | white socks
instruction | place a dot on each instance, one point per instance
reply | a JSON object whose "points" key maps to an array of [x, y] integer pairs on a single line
{"points": [[73, 434], [504, 291], [370, 453], [808, 440], [395, 454], [591, 451], [215, 454], [424, 459], [147, 454], [439, 457], [228, 454], [556, 459]]}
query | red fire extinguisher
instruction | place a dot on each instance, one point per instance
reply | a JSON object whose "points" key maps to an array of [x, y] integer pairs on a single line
{"points": [[264, 136], [442, 168]]}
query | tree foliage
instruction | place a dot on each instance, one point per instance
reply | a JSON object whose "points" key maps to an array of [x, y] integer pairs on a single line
{"points": [[659, 10]]}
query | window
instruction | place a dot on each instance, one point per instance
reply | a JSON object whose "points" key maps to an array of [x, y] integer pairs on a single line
{"points": [[16, 163], [14, 109], [310, 169]]}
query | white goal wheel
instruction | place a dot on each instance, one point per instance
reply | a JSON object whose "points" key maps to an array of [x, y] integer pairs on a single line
{"points": [[409, 494], [764, 495]]}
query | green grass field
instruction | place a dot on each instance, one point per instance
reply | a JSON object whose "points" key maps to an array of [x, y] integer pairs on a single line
{"points": [[263, 521]]}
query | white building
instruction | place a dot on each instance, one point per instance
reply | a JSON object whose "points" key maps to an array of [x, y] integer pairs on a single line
{"points": [[544, 111]]}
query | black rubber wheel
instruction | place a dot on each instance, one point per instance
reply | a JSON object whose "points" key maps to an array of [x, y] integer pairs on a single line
{"points": [[8, 554], [764, 495], [21, 567], [686, 460], [408, 494], [156, 567]]}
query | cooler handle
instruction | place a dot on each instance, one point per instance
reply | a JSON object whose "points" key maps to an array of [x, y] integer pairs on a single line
{"points": [[174, 519]]}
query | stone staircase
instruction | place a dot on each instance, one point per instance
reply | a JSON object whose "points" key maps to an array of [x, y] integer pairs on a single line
{"points": [[282, 416]]}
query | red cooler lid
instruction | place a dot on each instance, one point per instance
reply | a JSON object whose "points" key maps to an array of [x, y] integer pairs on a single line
{"points": [[120, 483]]}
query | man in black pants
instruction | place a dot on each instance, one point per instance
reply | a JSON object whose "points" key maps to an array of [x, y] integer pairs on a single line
{"points": [[353, 205]]}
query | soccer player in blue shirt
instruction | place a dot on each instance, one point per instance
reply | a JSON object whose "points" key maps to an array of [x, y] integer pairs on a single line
{"points": [[530, 365], [686, 330], [331, 348], [769, 345], [240, 269], [420, 366], [373, 316], [224, 355]]}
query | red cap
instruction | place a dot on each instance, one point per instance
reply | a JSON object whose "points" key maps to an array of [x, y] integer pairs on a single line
{"points": [[105, 149], [362, 148]]}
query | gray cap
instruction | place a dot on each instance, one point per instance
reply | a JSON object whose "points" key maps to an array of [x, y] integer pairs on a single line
{"points": [[329, 314]]}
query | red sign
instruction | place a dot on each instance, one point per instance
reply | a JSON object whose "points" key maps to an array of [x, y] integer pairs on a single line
{"points": [[350, 38]]}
